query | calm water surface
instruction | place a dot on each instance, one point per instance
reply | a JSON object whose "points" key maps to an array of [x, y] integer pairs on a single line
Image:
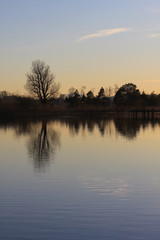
{"points": [[80, 179]]}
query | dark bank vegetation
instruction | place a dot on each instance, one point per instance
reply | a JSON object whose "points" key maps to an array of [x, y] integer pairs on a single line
{"points": [[44, 98], [126, 98]]}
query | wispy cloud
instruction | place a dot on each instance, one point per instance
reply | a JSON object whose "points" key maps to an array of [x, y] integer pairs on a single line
{"points": [[155, 35], [103, 33]]}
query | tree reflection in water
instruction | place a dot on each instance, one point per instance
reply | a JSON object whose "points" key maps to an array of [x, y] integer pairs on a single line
{"points": [[128, 128], [42, 144], [43, 139]]}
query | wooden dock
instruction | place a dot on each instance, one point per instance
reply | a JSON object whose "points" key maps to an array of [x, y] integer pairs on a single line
{"points": [[145, 113]]}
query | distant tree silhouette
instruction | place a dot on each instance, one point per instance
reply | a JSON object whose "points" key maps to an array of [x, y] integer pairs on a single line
{"points": [[40, 82], [71, 91], [127, 95], [101, 97], [76, 94], [153, 99], [73, 98], [4, 94], [90, 97], [101, 93], [90, 94]]}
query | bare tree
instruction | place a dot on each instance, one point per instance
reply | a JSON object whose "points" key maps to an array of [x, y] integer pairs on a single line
{"points": [[40, 82], [110, 91], [71, 91], [82, 90]]}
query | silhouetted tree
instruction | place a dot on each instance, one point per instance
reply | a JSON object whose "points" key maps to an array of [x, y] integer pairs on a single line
{"points": [[40, 82], [143, 99], [71, 91], [153, 99], [90, 95], [76, 94], [4, 94], [127, 95], [101, 97], [101, 93], [73, 98]]}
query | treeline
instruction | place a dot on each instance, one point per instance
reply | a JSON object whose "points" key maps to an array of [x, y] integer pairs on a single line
{"points": [[127, 96]]}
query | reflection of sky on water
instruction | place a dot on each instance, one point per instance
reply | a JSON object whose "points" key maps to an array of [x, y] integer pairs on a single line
{"points": [[103, 185], [43, 137]]}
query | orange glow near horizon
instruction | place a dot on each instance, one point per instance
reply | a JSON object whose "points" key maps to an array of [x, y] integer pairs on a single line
{"points": [[115, 47]]}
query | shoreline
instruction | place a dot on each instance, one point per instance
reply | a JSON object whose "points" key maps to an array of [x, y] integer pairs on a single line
{"points": [[49, 112]]}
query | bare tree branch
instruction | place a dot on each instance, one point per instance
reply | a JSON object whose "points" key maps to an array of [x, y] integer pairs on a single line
{"points": [[40, 82]]}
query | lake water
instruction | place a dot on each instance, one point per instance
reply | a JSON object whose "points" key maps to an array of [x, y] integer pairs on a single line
{"points": [[80, 179]]}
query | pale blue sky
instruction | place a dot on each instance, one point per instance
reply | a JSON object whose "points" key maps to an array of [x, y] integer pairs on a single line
{"points": [[67, 35]]}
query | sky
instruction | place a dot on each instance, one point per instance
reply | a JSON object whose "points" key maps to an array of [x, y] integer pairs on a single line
{"points": [[92, 43]]}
